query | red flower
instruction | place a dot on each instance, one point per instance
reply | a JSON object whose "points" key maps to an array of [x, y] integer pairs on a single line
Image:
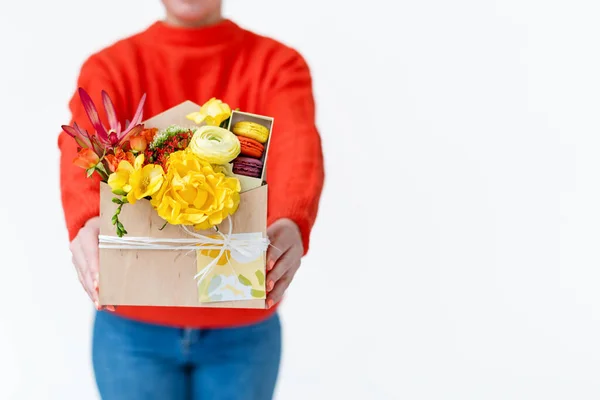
{"points": [[149, 134], [160, 155]]}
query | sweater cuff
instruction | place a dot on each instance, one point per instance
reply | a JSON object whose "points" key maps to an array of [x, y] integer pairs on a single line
{"points": [[77, 216], [78, 222]]}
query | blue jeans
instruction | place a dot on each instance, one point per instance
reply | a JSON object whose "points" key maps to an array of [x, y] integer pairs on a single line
{"points": [[134, 360]]}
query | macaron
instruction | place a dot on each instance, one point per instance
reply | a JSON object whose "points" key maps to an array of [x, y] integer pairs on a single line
{"points": [[251, 147], [247, 166], [251, 130]]}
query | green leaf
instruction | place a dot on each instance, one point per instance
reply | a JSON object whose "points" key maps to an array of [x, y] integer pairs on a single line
{"points": [[120, 226], [117, 200], [100, 167], [119, 192], [244, 281], [114, 220], [90, 171], [257, 293], [260, 276]]}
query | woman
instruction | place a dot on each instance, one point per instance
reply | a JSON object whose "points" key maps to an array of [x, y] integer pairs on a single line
{"points": [[180, 353]]}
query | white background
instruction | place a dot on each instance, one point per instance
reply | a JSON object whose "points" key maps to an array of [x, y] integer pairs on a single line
{"points": [[456, 251]]}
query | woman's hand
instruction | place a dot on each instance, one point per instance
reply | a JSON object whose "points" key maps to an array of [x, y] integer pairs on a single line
{"points": [[84, 249], [283, 258]]}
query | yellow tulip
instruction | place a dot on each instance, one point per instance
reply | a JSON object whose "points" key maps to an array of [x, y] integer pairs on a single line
{"points": [[119, 180], [212, 113], [215, 145], [137, 181], [144, 180], [194, 193]]}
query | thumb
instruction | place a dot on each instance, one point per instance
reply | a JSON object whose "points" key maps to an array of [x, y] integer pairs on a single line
{"points": [[276, 247]]}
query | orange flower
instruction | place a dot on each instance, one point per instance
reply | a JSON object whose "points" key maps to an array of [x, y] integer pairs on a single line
{"points": [[138, 143], [120, 155], [149, 134], [86, 158]]}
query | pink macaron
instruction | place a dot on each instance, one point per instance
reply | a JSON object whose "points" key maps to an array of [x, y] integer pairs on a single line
{"points": [[248, 167]]}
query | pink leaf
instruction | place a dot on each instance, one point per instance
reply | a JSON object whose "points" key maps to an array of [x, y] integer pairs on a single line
{"points": [[97, 146], [82, 132], [93, 139], [137, 118], [75, 133], [110, 111], [92, 113], [69, 130], [128, 133]]}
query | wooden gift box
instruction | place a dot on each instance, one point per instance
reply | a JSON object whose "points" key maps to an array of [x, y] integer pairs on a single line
{"points": [[166, 277]]}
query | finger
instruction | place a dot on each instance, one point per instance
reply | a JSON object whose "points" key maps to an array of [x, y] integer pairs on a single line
{"points": [[278, 245], [273, 254], [289, 260], [282, 266], [89, 242], [97, 289], [276, 294], [81, 265], [97, 292], [77, 270], [90, 285]]}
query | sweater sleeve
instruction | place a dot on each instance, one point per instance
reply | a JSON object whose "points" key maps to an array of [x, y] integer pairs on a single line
{"points": [[79, 194], [295, 172]]}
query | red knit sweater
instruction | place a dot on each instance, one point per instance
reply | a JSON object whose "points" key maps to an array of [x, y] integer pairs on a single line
{"points": [[245, 70]]}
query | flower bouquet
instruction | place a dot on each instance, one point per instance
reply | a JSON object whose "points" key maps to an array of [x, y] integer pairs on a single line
{"points": [[183, 204]]}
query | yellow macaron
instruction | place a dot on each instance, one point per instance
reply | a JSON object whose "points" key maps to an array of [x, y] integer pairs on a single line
{"points": [[251, 130]]}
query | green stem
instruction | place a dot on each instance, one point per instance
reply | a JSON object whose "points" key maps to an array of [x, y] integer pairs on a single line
{"points": [[100, 168], [115, 218]]}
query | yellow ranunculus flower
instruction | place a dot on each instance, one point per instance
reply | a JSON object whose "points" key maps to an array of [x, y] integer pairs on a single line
{"points": [[215, 145], [213, 113], [195, 193], [136, 180]]}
